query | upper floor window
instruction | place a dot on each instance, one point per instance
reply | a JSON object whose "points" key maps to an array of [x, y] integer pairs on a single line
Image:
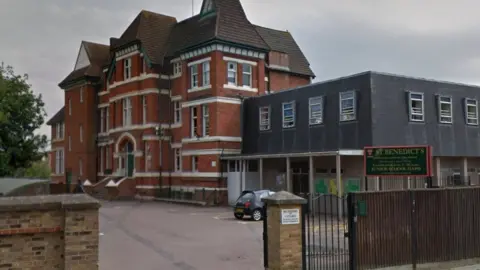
{"points": [[127, 68], [288, 116], [445, 112], [416, 106], [205, 121], [144, 109], [81, 94], [194, 124], [247, 75], [194, 164], [347, 106], [69, 106], [81, 133], [471, 111], [178, 112], [315, 108], [206, 73], [107, 119], [60, 130], [194, 76], [127, 111], [264, 115], [232, 73], [177, 68], [102, 120]]}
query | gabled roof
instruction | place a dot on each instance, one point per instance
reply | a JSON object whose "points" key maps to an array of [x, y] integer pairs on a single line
{"points": [[283, 41], [98, 55], [225, 22], [152, 30], [59, 117]]}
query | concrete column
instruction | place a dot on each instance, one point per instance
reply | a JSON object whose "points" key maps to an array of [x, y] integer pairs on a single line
{"points": [[260, 171], [464, 171], [288, 176], [438, 173]]}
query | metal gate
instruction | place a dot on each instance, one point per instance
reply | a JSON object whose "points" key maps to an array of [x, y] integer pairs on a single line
{"points": [[328, 229]]}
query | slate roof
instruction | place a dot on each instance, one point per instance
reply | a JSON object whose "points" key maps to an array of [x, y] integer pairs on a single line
{"points": [[283, 41], [227, 22], [58, 117], [8, 185], [98, 55], [152, 30]]}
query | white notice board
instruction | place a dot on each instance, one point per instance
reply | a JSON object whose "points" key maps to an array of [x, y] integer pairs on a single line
{"points": [[290, 216]]}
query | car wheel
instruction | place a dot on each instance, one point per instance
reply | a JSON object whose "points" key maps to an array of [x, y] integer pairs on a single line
{"points": [[238, 216], [257, 215]]}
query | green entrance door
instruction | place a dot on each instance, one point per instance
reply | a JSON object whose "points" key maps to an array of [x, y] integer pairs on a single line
{"points": [[130, 164]]}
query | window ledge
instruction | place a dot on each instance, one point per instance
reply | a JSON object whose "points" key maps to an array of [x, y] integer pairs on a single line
{"points": [[241, 88], [58, 140], [175, 76], [197, 89], [177, 125]]}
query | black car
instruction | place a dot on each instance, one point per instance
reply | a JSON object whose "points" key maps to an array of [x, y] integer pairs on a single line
{"points": [[250, 204]]}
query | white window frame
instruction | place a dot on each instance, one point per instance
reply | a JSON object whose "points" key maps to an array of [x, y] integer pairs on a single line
{"points": [[247, 73], [194, 76], [60, 131], [127, 68], [206, 73], [348, 113], [69, 143], [59, 161], [471, 118], [193, 122], [178, 159], [81, 94], [194, 163], [177, 113], [205, 120], [264, 123], [416, 115], [69, 106], [287, 122], [231, 71], [127, 111], [80, 167], [315, 116], [144, 109], [445, 116], [81, 133], [177, 68]]}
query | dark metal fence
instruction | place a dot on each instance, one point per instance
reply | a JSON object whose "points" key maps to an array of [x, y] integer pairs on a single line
{"points": [[411, 227], [325, 243]]}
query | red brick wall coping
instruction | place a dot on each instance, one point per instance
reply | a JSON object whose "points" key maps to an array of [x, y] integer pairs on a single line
{"points": [[30, 230], [48, 202]]}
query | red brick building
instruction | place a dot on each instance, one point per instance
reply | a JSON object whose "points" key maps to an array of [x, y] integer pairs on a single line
{"points": [[158, 106]]}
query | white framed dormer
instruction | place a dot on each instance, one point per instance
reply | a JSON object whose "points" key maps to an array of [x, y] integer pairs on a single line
{"points": [[445, 109], [471, 112], [232, 80], [416, 106], [288, 114], [348, 106]]}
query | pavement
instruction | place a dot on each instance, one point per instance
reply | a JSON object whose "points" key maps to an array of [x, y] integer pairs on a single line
{"points": [[162, 236]]}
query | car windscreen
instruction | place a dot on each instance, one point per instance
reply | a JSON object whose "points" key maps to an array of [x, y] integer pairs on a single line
{"points": [[248, 196]]}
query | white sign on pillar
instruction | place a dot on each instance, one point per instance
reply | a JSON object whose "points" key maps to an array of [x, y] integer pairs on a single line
{"points": [[290, 216]]}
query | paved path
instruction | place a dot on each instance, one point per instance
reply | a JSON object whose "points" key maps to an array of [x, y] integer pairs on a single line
{"points": [[156, 236]]}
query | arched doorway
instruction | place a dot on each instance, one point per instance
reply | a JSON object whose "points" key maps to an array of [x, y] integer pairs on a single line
{"points": [[127, 159]]}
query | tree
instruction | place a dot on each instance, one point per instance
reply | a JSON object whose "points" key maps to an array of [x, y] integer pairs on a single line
{"points": [[21, 114], [39, 170]]}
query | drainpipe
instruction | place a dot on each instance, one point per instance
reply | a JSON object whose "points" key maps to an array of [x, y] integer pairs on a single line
{"points": [[242, 162]]}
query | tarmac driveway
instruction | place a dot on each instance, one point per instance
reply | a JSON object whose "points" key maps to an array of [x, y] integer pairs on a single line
{"points": [[160, 236]]}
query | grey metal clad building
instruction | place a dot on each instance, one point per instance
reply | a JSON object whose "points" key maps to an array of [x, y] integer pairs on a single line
{"points": [[322, 128]]}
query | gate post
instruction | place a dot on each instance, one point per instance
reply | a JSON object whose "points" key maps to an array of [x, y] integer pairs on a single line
{"points": [[285, 240]]}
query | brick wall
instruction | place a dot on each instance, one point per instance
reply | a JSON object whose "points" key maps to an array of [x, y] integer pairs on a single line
{"points": [[49, 232]]}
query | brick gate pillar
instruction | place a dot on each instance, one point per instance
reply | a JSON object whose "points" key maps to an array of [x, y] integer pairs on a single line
{"points": [[284, 231]]}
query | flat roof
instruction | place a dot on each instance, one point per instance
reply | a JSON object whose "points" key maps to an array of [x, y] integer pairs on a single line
{"points": [[8, 185], [343, 152]]}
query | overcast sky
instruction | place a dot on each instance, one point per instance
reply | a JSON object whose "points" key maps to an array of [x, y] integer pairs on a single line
{"points": [[429, 38]]}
